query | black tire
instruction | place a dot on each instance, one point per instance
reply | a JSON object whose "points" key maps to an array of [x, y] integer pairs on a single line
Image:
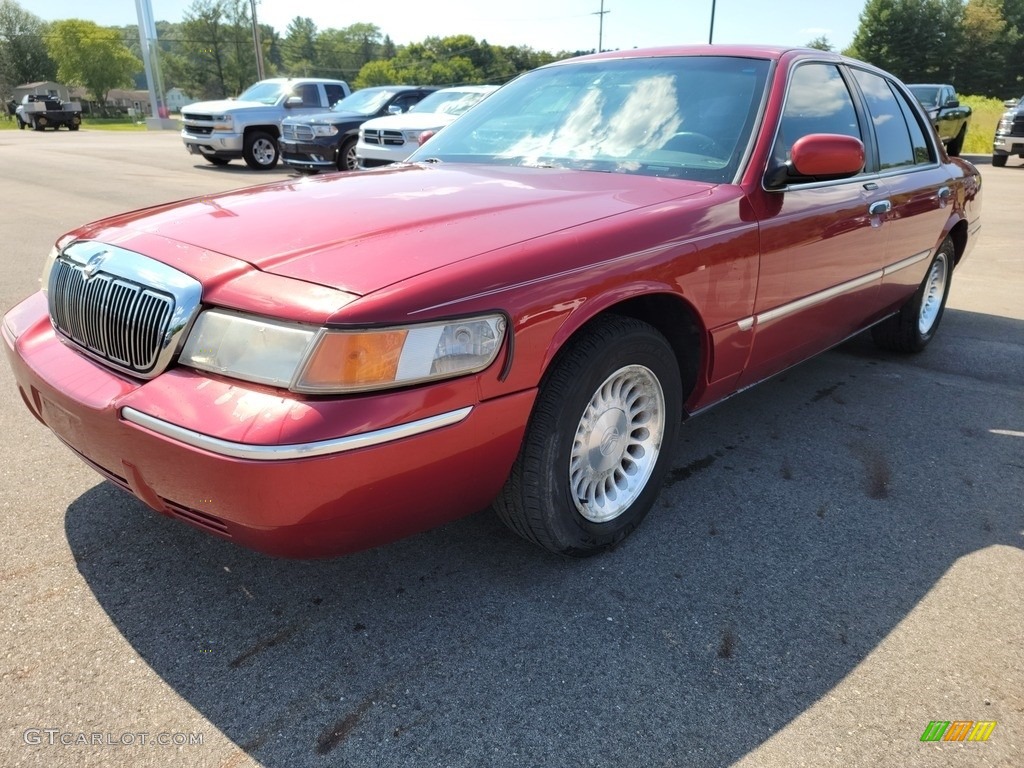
{"points": [[999, 160], [73, 127], [347, 160], [910, 329], [37, 124], [219, 161], [576, 421], [956, 146], [260, 150]]}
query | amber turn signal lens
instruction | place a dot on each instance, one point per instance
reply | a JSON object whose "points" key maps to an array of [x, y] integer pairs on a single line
{"points": [[357, 359]]}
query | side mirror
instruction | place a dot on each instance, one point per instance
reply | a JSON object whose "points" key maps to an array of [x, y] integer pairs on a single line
{"points": [[394, 109], [818, 157], [953, 103], [293, 101]]}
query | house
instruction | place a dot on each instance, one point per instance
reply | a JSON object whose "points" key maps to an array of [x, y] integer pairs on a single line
{"points": [[176, 99], [119, 101], [42, 88]]}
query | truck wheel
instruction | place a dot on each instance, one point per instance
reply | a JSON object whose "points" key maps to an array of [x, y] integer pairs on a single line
{"points": [[38, 124], [999, 160], [957, 144], [260, 150], [347, 159], [73, 127]]}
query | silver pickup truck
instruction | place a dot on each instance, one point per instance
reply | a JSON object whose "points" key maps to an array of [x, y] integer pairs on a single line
{"points": [[249, 126]]}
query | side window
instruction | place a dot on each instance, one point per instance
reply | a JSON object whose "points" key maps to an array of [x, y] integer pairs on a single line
{"points": [[334, 93], [818, 102], [891, 130], [922, 148], [309, 93], [406, 100]]}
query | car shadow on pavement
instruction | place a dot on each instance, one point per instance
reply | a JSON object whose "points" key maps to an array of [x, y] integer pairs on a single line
{"points": [[802, 521]]}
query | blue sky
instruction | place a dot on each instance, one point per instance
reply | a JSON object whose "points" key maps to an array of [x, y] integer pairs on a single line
{"points": [[542, 24]]}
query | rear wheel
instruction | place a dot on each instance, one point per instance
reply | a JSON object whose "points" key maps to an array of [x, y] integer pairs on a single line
{"points": [[999, 160], [910, 329], [599, 441], [260, 150]]}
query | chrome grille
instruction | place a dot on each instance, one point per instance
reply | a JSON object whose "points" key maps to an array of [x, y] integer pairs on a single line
{"points": [[383, 138], [296, 132], [117, 320]]}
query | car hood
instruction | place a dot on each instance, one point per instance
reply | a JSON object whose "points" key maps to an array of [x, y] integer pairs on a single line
{"points": [[326, 117], [361, 232], [410, 121], [225, 105]]}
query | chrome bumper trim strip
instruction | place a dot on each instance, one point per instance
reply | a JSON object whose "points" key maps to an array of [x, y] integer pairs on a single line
{"points": [[908, 262], [296, 450]]}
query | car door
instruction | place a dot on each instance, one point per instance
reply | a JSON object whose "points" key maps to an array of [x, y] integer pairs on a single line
{"points": [[918, 190], [822, 242]]}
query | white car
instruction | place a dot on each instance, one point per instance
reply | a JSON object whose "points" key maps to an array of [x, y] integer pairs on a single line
{"points": [[391, 139]]}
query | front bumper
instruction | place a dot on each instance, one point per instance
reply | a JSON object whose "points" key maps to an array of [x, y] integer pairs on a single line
{"points": [[216, 144], [372, 156], [1008, 145], [285, 475], [309, 155]]}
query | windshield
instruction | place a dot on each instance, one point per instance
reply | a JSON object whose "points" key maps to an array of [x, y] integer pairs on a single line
{"points": [[450, 102], [367, 101], [267, 93], [680, 117], [927, 95]]}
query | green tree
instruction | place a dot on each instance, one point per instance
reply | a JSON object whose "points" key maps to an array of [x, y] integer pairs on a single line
{"points": [[91, 56], [987, 42], [916, 40], [299, 46], [1013, 78], [23, 53], [821, 43]]}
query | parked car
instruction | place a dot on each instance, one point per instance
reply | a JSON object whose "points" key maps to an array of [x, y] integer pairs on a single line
{"points": [[950, 118], [327, 140], [522, 315], [248, 127], [42, 112], [391, 139], [1009, 138]]}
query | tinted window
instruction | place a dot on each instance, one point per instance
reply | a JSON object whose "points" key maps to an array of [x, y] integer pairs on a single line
{"points": [[309, 94], [818, 102], [894, 146], [334, 93], [922, 149]]}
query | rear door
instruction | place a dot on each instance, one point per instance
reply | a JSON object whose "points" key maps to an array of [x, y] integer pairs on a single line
{"points": [[918, 189]]}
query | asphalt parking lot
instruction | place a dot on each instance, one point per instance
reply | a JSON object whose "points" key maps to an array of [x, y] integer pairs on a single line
{"points": [[836, 560]]}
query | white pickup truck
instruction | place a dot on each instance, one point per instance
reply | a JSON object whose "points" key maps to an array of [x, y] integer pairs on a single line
{"points": [[248, 127]]}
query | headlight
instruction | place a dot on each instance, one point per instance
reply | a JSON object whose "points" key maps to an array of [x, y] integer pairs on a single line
{"points": [[51, 259], [353, 361], [325, 130], [324, 361], [413, 136], [223, 123], [250, 348]]}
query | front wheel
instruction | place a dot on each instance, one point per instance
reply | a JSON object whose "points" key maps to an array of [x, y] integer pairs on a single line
{"points": [[260, 150], [599, 441], [910, 329], [956, 145], [347, 158]]}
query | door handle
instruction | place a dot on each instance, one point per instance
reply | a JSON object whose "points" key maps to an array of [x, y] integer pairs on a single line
{"points": [[879, 208]]}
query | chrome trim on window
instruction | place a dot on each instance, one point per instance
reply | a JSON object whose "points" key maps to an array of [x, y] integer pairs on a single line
{"points": [[294, 450], [908, 262]]}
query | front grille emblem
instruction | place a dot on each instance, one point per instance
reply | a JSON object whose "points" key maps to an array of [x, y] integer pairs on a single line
{"points": [[92, 266]]}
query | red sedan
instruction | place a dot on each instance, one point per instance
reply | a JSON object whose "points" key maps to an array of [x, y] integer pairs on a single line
{"points": [[521, 316]]}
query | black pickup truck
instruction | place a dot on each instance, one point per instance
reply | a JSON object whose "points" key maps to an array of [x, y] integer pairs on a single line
{"points": [[42, 112], [950, 118], [1009, 138]]}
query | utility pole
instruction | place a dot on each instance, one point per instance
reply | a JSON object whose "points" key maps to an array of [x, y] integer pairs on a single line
{"points": [[711, 32], [600, 26], [256, 42]]}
